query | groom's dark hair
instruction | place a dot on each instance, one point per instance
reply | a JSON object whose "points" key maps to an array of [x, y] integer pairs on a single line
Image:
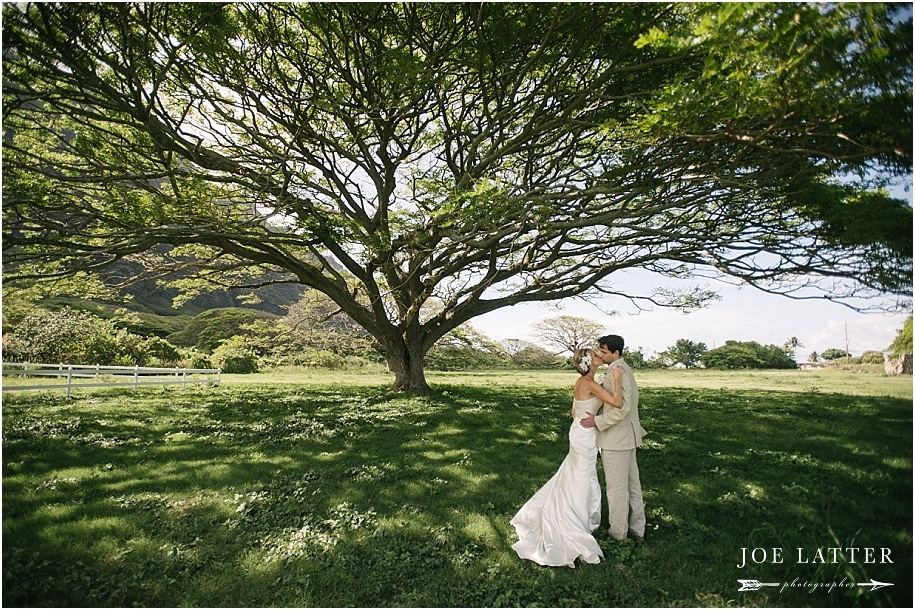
{"points": [[613, 343]]}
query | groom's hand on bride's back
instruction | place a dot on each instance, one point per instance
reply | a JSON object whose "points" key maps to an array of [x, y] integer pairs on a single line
{"points": [[588, 420]]}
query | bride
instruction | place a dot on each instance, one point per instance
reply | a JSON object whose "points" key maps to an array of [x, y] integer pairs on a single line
{"points": [[554, 527]]}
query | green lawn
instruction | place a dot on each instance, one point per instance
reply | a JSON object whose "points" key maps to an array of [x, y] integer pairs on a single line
{"points": [[320, 489]]}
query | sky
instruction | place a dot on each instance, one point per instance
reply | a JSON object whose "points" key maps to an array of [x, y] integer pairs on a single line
{"points": [[741, 314]]}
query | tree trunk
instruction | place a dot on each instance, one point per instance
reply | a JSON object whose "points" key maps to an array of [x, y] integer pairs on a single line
{"points": [[406, 362]]}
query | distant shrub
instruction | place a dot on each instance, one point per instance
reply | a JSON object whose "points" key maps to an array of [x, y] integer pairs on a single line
{"points": [[235, 356], [192, 359], [465, 348], [67, 335], [902, 344], [466, 358], [872, 357], [211, 328], [833, 354], [159, 352], [534, 357], [323, 359]]}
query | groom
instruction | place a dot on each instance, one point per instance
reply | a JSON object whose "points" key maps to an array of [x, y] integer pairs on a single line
{"points": [[618, 434]]}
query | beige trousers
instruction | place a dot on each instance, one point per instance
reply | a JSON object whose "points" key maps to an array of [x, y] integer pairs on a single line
{"points": [[624, 493]]}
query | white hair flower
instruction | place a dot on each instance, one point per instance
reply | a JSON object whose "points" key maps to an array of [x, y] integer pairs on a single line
{"points": [[584, 365]]}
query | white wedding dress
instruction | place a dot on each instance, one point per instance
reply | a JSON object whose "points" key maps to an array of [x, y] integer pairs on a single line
{"points": [[555, 526]]}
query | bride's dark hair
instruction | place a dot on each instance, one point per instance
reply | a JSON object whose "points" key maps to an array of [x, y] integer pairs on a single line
{"points": [[577, 357]]}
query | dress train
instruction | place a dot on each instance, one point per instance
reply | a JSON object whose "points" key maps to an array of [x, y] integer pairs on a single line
{"points": [[555, 526]]}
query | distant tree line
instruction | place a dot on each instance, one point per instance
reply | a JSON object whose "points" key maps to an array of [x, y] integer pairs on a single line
{"points": [[315, 334], [685, 353]]}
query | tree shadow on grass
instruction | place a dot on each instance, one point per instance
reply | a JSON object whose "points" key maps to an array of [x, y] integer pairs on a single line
{"points": [[784, 470], [269, 496]]}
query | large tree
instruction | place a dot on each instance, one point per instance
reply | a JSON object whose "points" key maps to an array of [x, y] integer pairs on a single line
{"points": [[684, 351], [423, 164], [902, 344], [568, 333]]}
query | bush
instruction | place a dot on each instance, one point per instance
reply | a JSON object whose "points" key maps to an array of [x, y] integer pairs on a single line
{"points": [[67, 335], [323, 359], [192, 359], [872, 357], [235, 356], [465, 348], [211, 328], [464, 358], [160, 351], [534, 357], [833, 354], [902, 344]]}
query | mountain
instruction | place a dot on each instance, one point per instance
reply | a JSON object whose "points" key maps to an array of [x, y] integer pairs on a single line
{"points": [[147, 297], [156, 315]]}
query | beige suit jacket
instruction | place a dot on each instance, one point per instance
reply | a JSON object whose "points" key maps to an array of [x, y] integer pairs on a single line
{"points": [[620, 429]]}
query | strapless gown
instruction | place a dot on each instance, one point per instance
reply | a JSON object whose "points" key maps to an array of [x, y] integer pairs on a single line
{"points": [[555, 526]]}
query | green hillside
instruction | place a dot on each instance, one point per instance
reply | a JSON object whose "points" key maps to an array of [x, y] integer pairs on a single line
{"points": [[154, 314]]}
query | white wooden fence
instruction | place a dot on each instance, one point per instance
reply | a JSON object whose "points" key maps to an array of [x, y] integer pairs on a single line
{"points": [[72, 376]]}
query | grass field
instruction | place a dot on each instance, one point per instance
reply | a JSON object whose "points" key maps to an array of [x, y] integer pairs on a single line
{"points": [[321, 489]]}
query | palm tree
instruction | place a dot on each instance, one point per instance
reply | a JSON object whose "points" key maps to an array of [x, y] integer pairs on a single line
{"points": [[791, 345]]}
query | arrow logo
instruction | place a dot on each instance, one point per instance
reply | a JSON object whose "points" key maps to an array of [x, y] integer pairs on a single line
{"points": [[875, 584], [754, 585]]}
